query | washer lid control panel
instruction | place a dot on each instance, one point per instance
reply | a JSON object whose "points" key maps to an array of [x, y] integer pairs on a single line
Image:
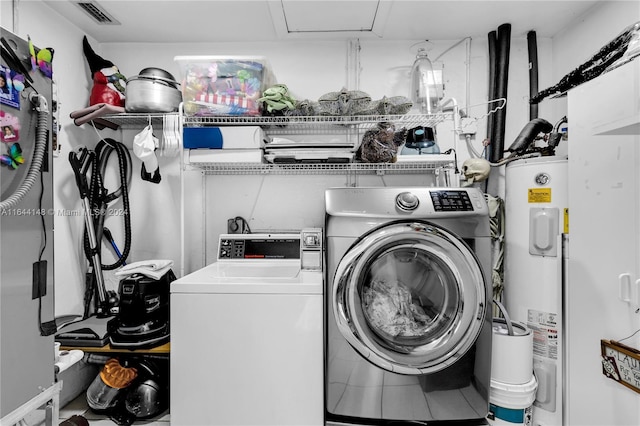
{"points": [[284, 245], [259, 246]]}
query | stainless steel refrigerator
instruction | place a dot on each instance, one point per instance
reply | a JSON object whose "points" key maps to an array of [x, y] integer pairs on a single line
{"points": [[26, 226]]}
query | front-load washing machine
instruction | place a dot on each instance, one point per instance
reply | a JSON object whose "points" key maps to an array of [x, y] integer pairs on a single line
{"points": [[247, 334], [408, 302]]}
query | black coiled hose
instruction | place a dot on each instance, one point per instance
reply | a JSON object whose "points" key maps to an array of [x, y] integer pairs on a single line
{"points": [[99, 197]]}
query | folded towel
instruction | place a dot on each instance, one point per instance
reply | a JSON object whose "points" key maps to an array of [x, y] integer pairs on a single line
{"points": [[153, 265], [154, 269]]}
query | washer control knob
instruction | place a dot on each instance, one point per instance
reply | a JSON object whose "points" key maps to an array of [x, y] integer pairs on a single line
{"points": [[407, 201]]}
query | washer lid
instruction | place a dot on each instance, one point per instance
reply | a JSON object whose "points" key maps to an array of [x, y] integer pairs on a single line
{"points": [[251, 277], [410, 297], [252, 270]]}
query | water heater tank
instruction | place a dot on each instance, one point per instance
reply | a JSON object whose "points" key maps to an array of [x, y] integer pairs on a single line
{"points": [[536, 219]]}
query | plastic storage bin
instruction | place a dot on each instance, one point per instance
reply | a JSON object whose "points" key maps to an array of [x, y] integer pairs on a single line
{"points": [[223, 85]]}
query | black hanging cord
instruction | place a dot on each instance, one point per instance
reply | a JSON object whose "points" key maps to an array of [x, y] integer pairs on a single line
{"points": [[43, 246], [100, 198], [49, 327], [455, 159]]}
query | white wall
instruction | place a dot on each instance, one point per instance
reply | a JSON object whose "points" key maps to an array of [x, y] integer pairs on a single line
{"points": [[71, 75], [310, 69]]}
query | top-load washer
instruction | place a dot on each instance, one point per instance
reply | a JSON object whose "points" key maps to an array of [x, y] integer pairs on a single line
{"points": [[247, 334], [408, 304]]}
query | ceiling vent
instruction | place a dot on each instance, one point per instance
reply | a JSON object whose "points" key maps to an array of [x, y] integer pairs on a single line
{"points": [[358, 18], [97, 13]]}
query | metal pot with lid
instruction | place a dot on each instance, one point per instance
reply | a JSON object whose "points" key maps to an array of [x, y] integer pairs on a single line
{"points": [[156, 72], [152, 90]]}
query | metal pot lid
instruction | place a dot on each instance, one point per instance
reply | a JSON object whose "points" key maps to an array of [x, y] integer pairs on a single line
{"points": [[155, 79], [156, 72]]}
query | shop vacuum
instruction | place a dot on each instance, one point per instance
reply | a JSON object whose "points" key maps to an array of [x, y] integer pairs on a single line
{"points": [[89, 167], [143, 315], [138, 317], [129, 389]]}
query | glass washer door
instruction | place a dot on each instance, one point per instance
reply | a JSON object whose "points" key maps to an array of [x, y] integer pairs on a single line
{"points": [[410, 297]]}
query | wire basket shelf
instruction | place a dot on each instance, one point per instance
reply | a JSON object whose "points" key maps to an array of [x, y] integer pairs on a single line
{"points": [[324, 168]]}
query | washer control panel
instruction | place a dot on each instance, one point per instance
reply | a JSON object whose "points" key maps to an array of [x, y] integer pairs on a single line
{"points": [[270, 246], [451, 200], [404, 202], [259, 246]]}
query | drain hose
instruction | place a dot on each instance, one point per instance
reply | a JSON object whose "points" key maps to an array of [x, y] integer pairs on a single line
{"points": [[40, 103]]}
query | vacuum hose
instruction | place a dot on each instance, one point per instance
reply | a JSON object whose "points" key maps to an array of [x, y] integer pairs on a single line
{"points": [[99, 198], [40, 103]]}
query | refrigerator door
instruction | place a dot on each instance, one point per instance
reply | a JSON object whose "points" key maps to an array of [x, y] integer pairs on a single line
{"points": [[26, 238], [604, 231]]}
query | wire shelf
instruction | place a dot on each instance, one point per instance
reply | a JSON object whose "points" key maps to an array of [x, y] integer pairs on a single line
{"points": [[285, 124], [305, 124], [324, 168], [138, 119], [346, 125]]}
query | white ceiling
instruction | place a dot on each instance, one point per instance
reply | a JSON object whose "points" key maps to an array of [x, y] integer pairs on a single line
{"points": [[184, 21]]}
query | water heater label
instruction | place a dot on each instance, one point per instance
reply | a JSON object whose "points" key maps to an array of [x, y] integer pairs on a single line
{"points": [[544, 326], [539, 195]]}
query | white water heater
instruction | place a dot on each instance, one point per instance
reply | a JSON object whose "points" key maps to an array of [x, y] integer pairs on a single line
{"points": [[536, 220]]}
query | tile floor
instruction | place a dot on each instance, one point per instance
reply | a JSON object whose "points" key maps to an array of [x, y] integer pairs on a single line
{"points": [[79, 407]]}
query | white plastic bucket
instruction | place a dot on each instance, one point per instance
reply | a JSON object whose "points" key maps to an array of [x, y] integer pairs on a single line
{"points": [[511, 404], [511, 355]]}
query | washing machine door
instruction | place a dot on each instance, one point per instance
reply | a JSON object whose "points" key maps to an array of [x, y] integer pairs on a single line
{"points": [[410, 297]]}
